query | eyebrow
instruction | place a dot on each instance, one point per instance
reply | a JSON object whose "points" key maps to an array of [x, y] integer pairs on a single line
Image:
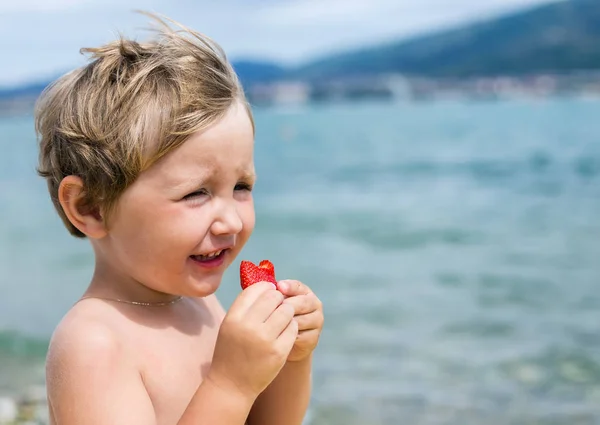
{"points": [[206, 176], [247, 174]]}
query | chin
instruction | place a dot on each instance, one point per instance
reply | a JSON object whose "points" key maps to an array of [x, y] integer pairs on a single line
{"points": [[204, 288]]}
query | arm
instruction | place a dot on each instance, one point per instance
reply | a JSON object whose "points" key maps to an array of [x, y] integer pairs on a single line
{"points": [[254, 342], [286, 399], [216, 405]]}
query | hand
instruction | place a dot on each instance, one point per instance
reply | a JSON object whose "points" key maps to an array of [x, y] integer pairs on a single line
{"points": [[309, 315], [254, 341]]}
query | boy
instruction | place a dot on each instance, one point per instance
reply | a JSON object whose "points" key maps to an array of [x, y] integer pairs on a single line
{"points": [[148, 153]]}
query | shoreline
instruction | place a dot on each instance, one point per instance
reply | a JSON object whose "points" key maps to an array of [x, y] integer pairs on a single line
{"points": [[26, 407]]}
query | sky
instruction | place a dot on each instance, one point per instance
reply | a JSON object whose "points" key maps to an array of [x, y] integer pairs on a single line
{"points": [[41, 38]]}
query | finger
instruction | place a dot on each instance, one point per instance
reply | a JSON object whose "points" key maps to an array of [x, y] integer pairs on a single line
{"points": [[304, 304], [279, 320], [310, 321], [286, 340], [264, 306], [292, 288], [248, 297], [307, 339]]}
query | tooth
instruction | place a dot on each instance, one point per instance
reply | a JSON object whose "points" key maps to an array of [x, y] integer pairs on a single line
{"points": [[211, 255]]}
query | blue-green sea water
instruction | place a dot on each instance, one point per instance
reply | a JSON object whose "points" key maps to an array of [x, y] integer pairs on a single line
{"points": [[455, 245]]}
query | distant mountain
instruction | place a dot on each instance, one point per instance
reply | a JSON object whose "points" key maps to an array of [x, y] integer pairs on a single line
{"points": [[250, 72], [556, 37], [27, 90]]}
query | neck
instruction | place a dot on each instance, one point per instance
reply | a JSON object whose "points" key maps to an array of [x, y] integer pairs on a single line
{"points": [[107, 283]]}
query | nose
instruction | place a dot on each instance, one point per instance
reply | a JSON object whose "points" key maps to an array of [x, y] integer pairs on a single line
{"points": [[227, 219]]}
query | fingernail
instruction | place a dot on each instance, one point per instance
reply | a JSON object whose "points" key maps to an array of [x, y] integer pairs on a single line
{"points": [[283, 285]]}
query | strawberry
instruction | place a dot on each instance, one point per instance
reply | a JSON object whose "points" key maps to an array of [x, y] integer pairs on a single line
{"points": [[250, 273], [267, 265]]}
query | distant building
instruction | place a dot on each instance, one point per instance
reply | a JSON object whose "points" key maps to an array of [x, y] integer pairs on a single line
{"points": [[280, 93]]}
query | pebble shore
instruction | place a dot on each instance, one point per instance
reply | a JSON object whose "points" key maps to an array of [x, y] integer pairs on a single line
{"points": [[28, 408]]}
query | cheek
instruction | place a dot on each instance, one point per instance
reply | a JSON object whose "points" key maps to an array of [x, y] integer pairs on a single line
{"points": [[155, 235], [248, 217]]}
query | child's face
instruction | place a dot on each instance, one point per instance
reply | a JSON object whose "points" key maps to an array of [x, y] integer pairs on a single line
{"points": [[194, 201]]}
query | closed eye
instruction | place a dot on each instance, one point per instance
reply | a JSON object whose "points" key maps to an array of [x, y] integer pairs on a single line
{"points": [[243, 186], [196, 194]]}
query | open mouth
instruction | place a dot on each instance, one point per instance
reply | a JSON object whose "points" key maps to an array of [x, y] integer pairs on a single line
{"points": [[207, 258]]}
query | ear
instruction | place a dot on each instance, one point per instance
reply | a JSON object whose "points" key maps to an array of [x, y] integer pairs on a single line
{"points": [[87, 219]]}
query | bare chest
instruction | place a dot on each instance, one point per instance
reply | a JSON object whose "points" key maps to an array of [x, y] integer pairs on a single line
{"points": [[172, 371], [173, 365]]}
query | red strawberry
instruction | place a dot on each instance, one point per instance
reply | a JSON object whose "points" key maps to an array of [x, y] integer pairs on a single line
{"points": [[267, 265], [250, 273]]}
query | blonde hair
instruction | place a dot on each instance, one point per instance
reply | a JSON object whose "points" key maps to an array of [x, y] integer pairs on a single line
{"points": [[131, 105]]}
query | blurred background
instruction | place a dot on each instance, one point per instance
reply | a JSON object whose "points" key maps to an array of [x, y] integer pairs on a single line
{"points": [[431, 168]]}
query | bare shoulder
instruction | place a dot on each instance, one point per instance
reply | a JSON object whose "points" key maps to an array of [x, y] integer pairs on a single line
{"points": [[83, 342], [89, 372], [80, 334]]}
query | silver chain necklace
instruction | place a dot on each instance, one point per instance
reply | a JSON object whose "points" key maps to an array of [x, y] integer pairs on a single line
{"points": [[147, 304]]}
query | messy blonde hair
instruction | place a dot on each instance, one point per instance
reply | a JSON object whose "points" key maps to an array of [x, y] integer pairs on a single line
{"points": [[131, 105]]}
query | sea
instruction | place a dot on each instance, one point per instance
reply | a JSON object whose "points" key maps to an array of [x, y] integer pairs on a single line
{"points": [[455, 245]]}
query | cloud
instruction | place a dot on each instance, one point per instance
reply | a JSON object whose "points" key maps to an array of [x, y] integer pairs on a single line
{"points": [[373, 13], [320, 27], [43, 37], [45, 5], [301, 13]]}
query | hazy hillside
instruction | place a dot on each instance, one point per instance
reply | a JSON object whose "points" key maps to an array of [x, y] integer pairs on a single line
{"points": [[27, 90], [558, 37], [250, 72]]}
